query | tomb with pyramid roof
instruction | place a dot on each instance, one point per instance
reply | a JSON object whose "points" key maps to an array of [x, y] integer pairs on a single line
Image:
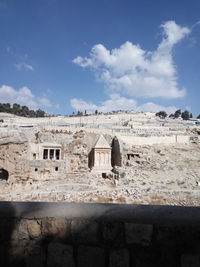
{"points": [[101, 156]]}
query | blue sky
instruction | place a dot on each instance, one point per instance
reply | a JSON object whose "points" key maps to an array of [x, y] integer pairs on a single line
{"points": [[69, 55]]}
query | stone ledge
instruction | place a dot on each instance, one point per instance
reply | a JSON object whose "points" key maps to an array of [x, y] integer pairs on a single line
{"points": [[144, 214]]}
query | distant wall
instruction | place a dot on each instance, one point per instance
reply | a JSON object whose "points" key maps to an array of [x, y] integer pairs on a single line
{"points": [[151, 140], [100, 235]]}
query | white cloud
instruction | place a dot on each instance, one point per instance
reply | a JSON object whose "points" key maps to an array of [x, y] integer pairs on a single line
{"points": [[117, 102], [24, 66], [79, 104], [149, 106], [44, 101], [23, 96], [132, 71]]}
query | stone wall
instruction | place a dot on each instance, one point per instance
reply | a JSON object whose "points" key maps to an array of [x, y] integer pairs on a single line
{"points": [[67, 241], [151, 140]]}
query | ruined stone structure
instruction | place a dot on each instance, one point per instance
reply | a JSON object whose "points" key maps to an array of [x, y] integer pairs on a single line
{"points": [[122, 157], [46, 155]]}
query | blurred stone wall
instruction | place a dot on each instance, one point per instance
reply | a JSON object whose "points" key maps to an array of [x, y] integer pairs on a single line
{"points": [[61, 242]]}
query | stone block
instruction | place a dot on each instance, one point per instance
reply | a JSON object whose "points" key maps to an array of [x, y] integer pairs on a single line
{"points": [[113, 233], [138, 233], [35, 256], [23, 229], [34, 229], [16, 249], [190, 260], [56, 227], [60, 255], [178, 236], [119, 258], [84, 232], [146, 257], [90, 257]]}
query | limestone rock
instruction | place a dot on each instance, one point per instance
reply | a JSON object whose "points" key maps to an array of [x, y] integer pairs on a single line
{"points": [[34, 229], [56, 227], [23, 229]]}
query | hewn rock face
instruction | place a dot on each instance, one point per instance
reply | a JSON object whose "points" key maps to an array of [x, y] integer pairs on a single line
{"points": [[22, 156], [49, 160], [12, 159]]}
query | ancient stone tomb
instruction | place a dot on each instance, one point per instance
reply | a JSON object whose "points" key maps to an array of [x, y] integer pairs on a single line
{"points": [[100, 158]]}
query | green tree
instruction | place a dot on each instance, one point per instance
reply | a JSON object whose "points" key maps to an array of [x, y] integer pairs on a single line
{"points": [[21, 110], [25, 111], [16, 108], [40, 113], [161, 114], [177, 113], [185, 115], [7, 108], [1, 108]]}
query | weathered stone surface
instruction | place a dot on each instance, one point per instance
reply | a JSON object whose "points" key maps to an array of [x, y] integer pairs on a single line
{"points": [[23, 229], [35, 256], [146, 257], [60, 255], [84, 232], [90, 257], [119, 258], [113, 233], [178, 236], [56, 227], [189, 260], [34, 229], [138, 233], [16, 249]]}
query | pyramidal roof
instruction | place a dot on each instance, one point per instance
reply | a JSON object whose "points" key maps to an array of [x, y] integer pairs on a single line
{"points": [[101, 142]]}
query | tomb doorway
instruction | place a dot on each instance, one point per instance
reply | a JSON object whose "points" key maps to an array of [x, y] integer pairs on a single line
{"points": [[4, 174]]}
